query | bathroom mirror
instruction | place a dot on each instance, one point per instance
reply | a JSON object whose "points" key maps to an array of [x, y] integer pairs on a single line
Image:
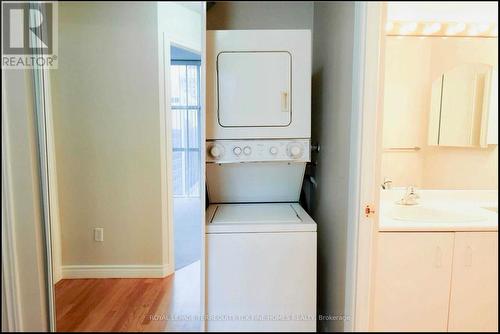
{"points": [[462, 104], [440, 112]]}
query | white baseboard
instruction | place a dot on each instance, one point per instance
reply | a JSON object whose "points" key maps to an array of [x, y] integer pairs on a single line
{"points": [[56, 274], [115, 271]]}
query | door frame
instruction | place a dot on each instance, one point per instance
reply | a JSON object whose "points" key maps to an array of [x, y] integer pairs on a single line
{"points": [[365, 161], [166, 142], [203, 113], [165, 42], [166, 153], [166, 148], [42, 106]]}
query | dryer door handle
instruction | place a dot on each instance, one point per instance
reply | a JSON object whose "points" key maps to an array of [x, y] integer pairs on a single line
{"points": [[284, 102]]}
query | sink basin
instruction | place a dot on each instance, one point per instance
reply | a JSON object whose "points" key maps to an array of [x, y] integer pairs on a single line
{"points": [[418, 213]]}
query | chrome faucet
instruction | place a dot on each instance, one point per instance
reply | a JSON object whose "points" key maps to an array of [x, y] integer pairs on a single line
{"points": [[387, 184], [410, 198]]}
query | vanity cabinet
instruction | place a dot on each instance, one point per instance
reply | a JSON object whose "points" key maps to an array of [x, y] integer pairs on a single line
{"points": [[412, 281], [436, 281], [474, 283]]}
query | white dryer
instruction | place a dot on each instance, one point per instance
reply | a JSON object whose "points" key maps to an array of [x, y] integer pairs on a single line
{"points": [[258, 84], [261, 268]]}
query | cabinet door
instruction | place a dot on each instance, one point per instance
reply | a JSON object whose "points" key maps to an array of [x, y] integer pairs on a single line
{"points": [[474, 292], [412, 281], [254, 89]]}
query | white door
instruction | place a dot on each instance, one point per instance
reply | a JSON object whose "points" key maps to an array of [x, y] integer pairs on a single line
{"points": [[474, 292], [254, 89], [412, 281]]}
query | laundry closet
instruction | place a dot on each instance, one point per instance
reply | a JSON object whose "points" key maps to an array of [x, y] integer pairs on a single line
{"points": [[266, 115], [260, 243]]}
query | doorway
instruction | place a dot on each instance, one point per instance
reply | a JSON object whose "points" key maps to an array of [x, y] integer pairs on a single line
{"points": [[110, 214], [186, 161]]}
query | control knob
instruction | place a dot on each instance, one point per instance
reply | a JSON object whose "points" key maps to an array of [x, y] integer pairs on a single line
{"points": [[237, 150], [295, 151], [216, 151]]}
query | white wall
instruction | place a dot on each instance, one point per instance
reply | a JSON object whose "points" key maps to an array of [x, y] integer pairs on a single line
{"points": [[406, 104], [107, 133], [411, 66], [331, 112], [110, 129], [181, 24], [233, 15], [20, 171]]}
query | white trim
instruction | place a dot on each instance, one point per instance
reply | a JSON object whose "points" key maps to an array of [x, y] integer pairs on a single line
{"points": [[40, 85], [203, 160], [55, 225], [369, 101], [166, 151], [360, 9], [10, 279], [165, 41], [41, 98], [116, 271]]}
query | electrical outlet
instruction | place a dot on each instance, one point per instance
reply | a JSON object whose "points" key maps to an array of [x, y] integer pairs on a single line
{"points": [[99, 234]]}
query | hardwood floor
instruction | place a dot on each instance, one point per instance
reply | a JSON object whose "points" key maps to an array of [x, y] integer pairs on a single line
{"points": [[130, 304]]}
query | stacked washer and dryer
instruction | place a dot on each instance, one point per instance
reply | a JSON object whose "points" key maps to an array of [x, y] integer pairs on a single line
{"points": [[260, 243]]}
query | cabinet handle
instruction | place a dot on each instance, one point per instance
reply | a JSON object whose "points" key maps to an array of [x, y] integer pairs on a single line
{"points": [[284, 101], [468, 256], [438, 261]]}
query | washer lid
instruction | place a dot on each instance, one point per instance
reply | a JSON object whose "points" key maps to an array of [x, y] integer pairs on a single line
{"points": [[277, 213], [270, 217]]}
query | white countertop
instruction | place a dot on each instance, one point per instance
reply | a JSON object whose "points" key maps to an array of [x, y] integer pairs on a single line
{"points": [[457, 202]]}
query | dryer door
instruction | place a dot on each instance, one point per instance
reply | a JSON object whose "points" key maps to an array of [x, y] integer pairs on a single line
{"points": [[254, 89]]}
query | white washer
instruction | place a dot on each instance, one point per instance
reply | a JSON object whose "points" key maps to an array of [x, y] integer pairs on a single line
{"points": [[261, 268]]}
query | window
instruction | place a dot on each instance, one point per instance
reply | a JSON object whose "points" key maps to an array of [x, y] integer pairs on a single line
{"points": [[185, 105]]}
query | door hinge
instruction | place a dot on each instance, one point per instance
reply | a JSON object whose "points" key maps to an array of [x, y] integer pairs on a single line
{"points": [[369, 211]]}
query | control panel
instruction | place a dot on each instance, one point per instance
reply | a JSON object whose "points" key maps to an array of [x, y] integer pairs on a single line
{"points": [[250, 150]]}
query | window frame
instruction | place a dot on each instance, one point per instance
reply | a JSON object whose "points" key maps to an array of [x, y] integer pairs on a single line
{"points": [[186, 193]]}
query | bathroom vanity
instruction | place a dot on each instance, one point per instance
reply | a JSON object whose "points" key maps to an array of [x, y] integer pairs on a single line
{"points": [[437, 262], [435, 252]]}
